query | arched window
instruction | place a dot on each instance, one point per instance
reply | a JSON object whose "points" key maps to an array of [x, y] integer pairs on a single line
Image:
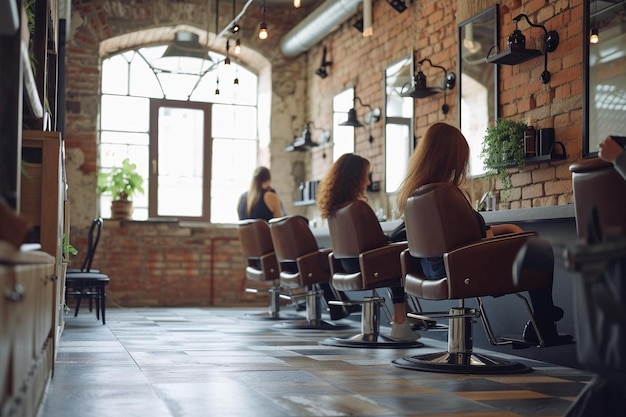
{"points": [[192, 136]]}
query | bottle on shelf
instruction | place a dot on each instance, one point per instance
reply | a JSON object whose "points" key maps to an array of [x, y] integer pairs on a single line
{"points": [[530, 139]]}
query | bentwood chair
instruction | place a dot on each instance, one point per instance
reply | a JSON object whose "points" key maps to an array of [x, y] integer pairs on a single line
{"points": [[303, 265], [87, 282], [356, 235], [441, 222]]}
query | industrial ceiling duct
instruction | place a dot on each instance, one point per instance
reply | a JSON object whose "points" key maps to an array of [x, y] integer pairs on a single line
{"points": [[316, 26]]}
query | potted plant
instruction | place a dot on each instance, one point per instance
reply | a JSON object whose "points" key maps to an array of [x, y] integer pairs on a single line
{"points": [[503, 148], [122, 182]]}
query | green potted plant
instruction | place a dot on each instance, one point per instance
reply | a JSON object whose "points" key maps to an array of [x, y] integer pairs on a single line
{"points": [[67, 249], [503, 148], [122, 182]]}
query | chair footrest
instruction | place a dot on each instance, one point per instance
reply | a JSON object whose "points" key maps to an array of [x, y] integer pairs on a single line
{"points": [[379, 300], [475, 313]]}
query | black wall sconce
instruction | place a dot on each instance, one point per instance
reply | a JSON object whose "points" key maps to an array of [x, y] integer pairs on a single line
{"points": [[321, 71], [420, 87], [398, 5], [372, 117], [304, 142], [516, 51]]}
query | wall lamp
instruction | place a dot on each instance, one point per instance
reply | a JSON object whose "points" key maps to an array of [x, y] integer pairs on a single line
{"points": [[398, 5], [321, 71], [372, 117], [550, 40], [517, 53], [420, 87], [304, 142]]}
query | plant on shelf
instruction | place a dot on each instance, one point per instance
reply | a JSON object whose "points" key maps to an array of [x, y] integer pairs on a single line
{"points": [[122, 182], [503, 148]]}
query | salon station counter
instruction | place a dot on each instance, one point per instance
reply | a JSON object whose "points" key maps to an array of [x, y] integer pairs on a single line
{"points": [[557, 224]]}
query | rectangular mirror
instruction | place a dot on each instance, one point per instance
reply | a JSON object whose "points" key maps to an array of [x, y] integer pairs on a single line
{"points": [[398, 122], [478, 81], [604, 97]]}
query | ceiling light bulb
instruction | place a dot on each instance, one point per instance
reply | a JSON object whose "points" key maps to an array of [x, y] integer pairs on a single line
{"points": [[263, 31], [594, 37], [237, 47], [235, 28], [297, 3]]}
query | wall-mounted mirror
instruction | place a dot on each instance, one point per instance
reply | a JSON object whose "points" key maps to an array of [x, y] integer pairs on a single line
{"points": [[604, 99], [398, 122], [478, 82]]}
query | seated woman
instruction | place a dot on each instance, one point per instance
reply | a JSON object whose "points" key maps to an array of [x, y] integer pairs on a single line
{"points": [[345, 182], [442, 155]]}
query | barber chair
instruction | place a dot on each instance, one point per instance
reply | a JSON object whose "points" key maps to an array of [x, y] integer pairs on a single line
{"points": [[302, 265], [600, 291], [356, 233], [441, 222], [258, 249]]}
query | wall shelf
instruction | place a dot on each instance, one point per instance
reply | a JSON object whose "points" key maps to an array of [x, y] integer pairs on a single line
{"points": [[508, 57]]}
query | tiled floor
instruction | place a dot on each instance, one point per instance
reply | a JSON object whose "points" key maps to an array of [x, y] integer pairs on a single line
{"points": [[210, 362]]}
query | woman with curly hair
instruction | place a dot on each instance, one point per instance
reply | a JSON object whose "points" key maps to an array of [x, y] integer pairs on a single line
{"points": [[345, 182]]}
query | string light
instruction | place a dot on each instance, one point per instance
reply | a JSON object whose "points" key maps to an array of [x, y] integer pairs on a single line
{"points": [[263, 27], [297, 3]]}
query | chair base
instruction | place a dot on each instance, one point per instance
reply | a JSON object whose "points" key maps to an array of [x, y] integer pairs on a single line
{"points": [[461, 363], [269, 316], [311, 325], [369, 341]]}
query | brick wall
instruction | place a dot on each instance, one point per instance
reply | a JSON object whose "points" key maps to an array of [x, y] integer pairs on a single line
{"points": [[169, 264], [172, 264]]}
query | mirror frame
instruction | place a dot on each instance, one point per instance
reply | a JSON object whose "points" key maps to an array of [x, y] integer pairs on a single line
{"points": [[589, 140], [494, 112], [398, 120]]}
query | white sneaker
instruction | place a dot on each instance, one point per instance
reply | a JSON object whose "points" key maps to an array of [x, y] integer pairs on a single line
{"points": [[403, 332]]}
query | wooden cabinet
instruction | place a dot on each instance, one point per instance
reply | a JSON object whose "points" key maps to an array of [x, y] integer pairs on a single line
{"points": [[26, 344], [43, 202]]}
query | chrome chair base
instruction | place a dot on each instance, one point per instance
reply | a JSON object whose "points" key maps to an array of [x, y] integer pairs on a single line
{"points": [[370, 336], [273, 312], [369, 341], [311, 325], [461, 363]]}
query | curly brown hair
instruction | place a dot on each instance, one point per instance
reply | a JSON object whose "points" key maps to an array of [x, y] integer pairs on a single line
{"points": [[346, 181]]}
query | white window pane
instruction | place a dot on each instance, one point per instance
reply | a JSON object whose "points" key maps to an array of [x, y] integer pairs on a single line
{"points": [[125, 138], [233, 164], [234, 121], [124, 113], [115, 75], [397, 145], [143, 82], [181, 152]]}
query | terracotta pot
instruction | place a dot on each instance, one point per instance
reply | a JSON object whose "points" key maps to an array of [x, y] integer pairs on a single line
{"points": [[121, 209]]}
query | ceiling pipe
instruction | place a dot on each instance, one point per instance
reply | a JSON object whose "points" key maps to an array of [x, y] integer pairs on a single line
{"points": [[316, 26]]}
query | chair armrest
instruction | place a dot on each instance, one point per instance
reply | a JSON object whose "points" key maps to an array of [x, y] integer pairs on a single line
{"points": [[409, 263], [501, 229], [485, 267], [314, 267], [269, 265], [382, 263]]}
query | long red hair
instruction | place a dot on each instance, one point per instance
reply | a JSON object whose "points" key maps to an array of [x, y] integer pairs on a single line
{"points": [[346, 181]]}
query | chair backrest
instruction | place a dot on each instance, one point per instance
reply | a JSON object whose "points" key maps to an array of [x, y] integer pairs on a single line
{"points": [[439, 218], [292, 238], [92, 244], [255, 238], [596, 183], [355, 229]]}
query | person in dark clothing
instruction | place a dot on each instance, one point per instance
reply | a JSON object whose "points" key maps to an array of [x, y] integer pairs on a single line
{"points": [[443, 155], [260, 201]]}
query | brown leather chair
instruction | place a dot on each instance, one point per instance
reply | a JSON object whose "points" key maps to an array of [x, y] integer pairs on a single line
{"points": [[597, 184], [441, 222], [258, 249], [303, 265], [356, 233]]}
